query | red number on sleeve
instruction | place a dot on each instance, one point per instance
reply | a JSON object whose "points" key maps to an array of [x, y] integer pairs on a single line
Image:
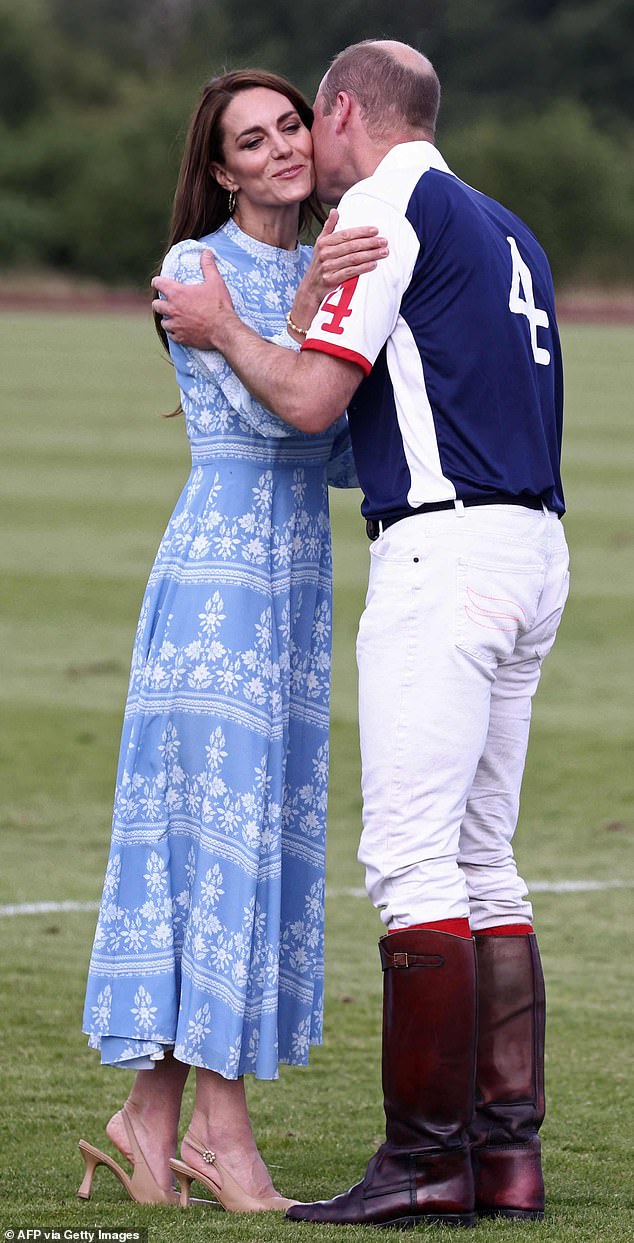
{"points": [[340, 309]]}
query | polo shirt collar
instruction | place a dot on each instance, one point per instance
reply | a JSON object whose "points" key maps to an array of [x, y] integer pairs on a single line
{"points": [[418, 154]]}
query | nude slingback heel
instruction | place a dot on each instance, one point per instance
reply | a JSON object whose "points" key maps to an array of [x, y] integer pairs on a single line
{"points": [[141, 1186], [222, 1184]]}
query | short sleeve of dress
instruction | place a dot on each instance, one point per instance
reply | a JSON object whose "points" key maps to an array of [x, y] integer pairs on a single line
{"points": [[183, 263]]}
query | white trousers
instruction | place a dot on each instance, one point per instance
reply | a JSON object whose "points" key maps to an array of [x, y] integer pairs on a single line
{"points": [[462, 607]]}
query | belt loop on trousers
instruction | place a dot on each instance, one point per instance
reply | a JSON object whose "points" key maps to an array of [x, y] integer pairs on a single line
{"points": [[459, 508]]}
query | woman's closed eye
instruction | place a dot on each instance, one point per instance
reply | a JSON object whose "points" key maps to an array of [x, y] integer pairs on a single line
{"points": [[291, 127]]}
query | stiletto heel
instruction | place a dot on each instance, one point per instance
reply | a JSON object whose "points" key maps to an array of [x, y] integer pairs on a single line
{"points": [[184, 1180], [92, 1158], [222, 1184]]}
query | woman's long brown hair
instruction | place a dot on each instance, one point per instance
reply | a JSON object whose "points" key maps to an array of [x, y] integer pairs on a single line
{"points": [[201, 206]]}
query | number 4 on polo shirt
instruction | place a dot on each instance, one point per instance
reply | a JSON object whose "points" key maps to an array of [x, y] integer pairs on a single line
{"points": [[339, 309], [522, 279]]}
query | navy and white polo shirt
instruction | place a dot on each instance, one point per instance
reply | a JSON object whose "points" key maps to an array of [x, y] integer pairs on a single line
{"points": [[456, 334]]}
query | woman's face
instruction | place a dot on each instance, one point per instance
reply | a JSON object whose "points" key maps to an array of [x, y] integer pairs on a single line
{"points": [[268, 152]]}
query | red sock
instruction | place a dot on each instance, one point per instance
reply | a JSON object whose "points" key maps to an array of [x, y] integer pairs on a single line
{"points": [[506, 930], [456, 927]]}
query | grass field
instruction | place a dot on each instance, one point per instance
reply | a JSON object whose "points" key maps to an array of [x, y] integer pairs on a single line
{"points": [[88, 476]]}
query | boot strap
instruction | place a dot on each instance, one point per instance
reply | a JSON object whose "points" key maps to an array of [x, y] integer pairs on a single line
{"points": [[402, 959]]}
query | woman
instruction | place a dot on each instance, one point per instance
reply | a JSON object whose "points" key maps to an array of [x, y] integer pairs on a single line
{"points": [[209, 945]]}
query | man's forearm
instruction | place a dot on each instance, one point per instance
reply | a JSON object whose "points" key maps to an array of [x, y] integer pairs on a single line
{"points": [[308, 390], [267, 370], [282, 380]]}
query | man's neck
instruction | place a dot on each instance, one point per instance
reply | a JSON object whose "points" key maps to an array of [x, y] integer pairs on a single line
{"points": [[375, 150], [361, 157]]}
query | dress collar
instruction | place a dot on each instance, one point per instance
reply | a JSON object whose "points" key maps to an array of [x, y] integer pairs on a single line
{"points": [[260, 250]]}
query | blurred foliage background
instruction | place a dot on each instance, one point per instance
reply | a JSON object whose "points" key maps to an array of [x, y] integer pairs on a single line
{"points": [[95, 96]]}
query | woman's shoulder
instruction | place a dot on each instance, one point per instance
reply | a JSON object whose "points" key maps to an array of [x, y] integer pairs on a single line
{"points": [[182, 260]]}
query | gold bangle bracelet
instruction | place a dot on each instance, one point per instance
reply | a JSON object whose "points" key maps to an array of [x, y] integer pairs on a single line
{"points": [[302, 332]]}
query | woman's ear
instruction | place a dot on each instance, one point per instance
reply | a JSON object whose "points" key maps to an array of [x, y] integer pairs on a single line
{"points": [[226, 182]]}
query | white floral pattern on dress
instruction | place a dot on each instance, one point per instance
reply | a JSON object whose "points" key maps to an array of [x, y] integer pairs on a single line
{"points": [[210, 932]]}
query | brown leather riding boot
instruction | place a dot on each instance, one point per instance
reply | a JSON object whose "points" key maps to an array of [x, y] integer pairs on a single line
{"points": [[422, 1173], [506, 1150]]}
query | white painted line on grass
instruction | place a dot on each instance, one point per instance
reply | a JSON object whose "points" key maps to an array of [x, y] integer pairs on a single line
{"points": [[43, 908], [577, 886], [538, 886]]}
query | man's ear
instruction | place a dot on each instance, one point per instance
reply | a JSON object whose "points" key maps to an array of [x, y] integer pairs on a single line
{"points": [[222, 178], [343, 110]]}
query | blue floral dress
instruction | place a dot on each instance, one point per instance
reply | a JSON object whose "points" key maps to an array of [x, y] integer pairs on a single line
{"points": [[210, 932]]}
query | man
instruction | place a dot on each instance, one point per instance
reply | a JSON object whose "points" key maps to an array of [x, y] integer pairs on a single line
{"points": [[448, 360]]}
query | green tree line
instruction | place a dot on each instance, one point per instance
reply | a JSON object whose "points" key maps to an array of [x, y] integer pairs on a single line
{"points": [[95, 95]]}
